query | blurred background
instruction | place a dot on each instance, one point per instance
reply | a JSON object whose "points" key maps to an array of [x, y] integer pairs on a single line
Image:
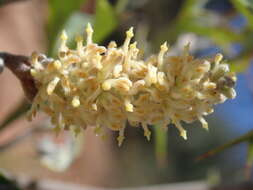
{"points": [[32, 151]]}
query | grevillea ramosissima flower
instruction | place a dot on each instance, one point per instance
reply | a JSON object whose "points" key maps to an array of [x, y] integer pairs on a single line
{"points": [[106, 87]]}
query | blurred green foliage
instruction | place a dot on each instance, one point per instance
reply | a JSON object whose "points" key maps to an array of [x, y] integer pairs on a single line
{"points": [[105, 20], [59, 12], [244, 6], [74, 25], [71, 20]]}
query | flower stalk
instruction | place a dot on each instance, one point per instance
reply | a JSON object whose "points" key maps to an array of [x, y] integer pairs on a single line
{"points": [[20, 66]]}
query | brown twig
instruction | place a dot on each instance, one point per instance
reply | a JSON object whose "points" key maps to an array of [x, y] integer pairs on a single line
{"points": [[1, 66], [17, 139], [241, 139], [5, 2], [20, 66]]}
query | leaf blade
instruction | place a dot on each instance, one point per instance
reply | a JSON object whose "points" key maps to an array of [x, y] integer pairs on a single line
{"points": [[59, 11], [105, 20]]}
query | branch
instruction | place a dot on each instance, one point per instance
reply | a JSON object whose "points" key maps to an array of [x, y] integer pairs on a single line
{"points": [[244, 138], [5, 2], [20, 66], [14, 140], [1, 65], [22, 108]]}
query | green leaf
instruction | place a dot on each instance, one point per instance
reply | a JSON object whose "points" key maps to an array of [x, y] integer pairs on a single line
{"points": [[220, 36], [59, 11], [240, 65], [105, 20], [74, 25], [189, 9], [247, 3], [243, 7], [161, 147], [244, 138]]}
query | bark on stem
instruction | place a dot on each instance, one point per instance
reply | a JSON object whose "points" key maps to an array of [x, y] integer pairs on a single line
{"points": [[5, 2], [20, 67]]}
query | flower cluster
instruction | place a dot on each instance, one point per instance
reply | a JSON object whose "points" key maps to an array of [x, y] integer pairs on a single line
{"points": [[95, 86]]}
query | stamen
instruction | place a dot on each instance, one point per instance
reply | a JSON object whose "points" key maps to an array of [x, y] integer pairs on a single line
{"points": [[129, 107], [89, 32], [147, 132], [163, 50], [218, 58], [121, 136], [182, 131], [203, 122], [76, 102], [129, 35], [79, 41], [64, 38], [51, 86]]}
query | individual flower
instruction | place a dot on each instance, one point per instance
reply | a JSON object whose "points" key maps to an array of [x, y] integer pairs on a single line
{"points": [[106, 87]]}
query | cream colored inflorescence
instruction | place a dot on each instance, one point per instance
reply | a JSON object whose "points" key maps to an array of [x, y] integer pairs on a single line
{"points": [[95, 86]]}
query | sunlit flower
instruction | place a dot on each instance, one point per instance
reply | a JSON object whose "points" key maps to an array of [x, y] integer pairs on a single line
{"points": [[95, 86]]}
